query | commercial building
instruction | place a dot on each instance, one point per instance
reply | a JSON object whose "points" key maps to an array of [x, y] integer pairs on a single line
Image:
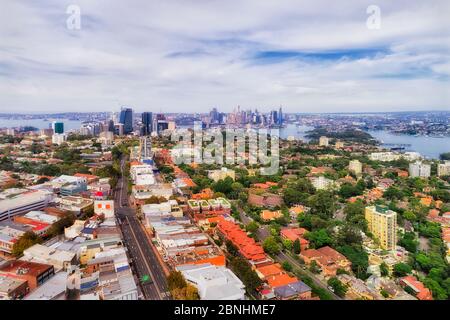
{"points": [[142, 174], [140, 193], [24, 202], [106, 138], [112, 274], [126, 119], [69, 185], [12, 289], [147, 123], [419, 169], [53, 289], [89, 249], [34, 273], [74, 204], [104, 207], [214, 282], [59, 259], [382, 223], [58, 127]]}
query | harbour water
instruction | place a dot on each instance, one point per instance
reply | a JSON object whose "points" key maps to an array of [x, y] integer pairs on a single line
{"points": [[429, 147], [39, 123]]}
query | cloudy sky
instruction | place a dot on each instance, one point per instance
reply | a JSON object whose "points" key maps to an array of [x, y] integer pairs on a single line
{"points": [[191, 55]]}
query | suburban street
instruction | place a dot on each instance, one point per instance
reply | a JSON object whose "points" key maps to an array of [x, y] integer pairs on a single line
{"points": [[263, 232], [143, 257]]}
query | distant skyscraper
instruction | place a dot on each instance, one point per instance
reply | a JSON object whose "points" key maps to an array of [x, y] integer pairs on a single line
{"points": [[147, 123], [111, 127], [280, 117], [126, 118], [214, 115], [58, 127]]}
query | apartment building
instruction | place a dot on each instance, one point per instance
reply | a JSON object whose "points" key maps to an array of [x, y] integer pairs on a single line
{"points": [[382, 223], [419, 169]]}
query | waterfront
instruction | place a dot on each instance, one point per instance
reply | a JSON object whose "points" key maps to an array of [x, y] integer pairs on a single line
{"points": [[39, 123], [295, 131], [430, 147]]}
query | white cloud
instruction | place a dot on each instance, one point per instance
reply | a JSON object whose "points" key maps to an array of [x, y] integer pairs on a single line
{"points": [[192, 55]]}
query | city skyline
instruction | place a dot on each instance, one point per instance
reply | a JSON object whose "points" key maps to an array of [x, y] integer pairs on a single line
{"points": [[306, 56]]}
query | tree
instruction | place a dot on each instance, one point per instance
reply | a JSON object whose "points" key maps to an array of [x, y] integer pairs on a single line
{"points": [[402, 269], [438, 292], [175, 280], [445, 156], [430, 229], [224, 186], [189, 292], [318, 238], [42, 180], [179, 288], [384, 270], [296, 246], [348, 235], [393, 193], [231, 248], [155, 200], [287, 244], [322, 204], [409, 215], [252, 226], [58, 227], [286, 266], [271, 246], [297, 192], [409, 242], [28, 239], [244, 271], [353, 209], [338, 287], [313, 267], [358, 257], [347, 190]]}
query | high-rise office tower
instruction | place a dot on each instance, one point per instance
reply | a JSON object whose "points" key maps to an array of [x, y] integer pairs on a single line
{"points": [[147, 123], [280, 117], [58, 127], [126, 118], [214, 115], [111, 127], [274, 117]]}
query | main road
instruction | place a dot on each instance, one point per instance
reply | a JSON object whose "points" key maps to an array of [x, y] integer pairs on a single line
{"points": [[144, 259]]}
